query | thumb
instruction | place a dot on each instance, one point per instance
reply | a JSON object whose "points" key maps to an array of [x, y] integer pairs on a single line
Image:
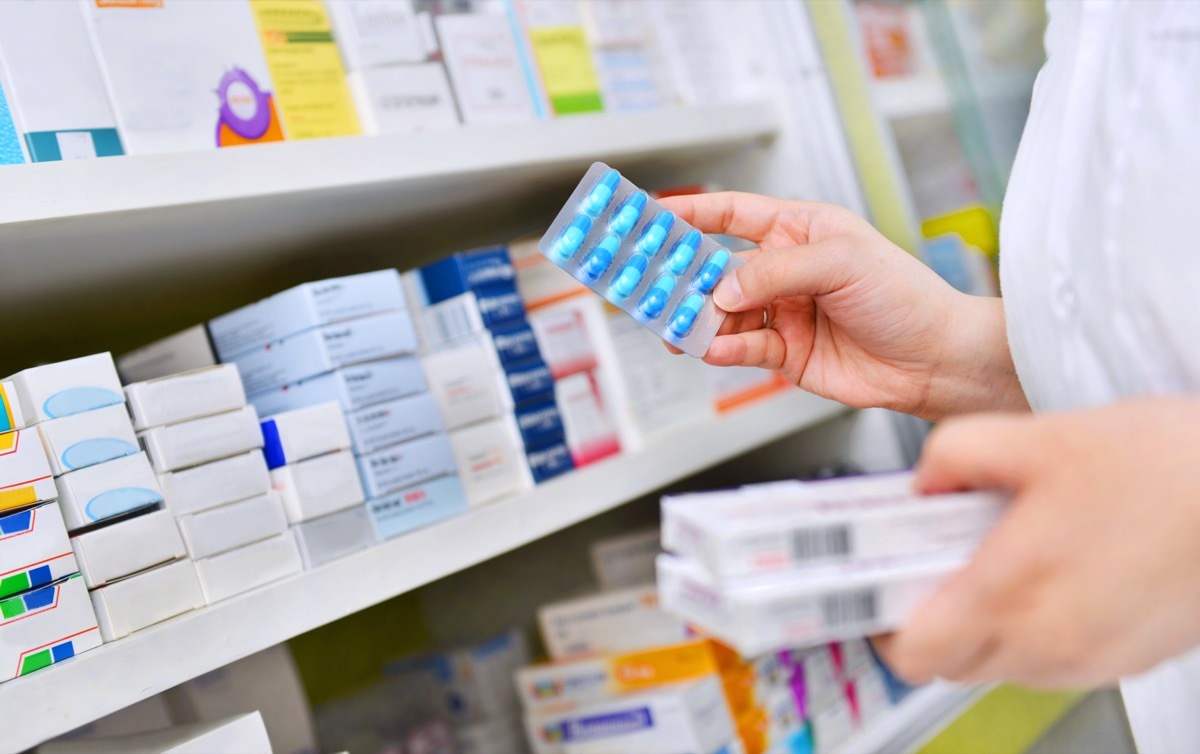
{"points": [[809, 270], [981, 452]]}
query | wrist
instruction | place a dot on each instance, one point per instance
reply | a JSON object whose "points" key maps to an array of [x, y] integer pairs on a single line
{"points": [[974, 370]]}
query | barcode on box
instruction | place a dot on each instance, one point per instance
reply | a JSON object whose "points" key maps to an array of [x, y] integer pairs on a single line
{"points": [[819, 543], [844, 608]]}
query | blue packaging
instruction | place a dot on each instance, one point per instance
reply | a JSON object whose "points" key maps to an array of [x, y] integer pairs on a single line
{"points": [[417, 506], [500, 306], [480, 269], [515, 343], [529, 381], [540, 423], [550, 461]]}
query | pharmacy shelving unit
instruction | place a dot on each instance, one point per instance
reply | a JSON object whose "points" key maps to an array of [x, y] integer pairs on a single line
{"points": [[64, 696], [918, 718], [139, 216]]}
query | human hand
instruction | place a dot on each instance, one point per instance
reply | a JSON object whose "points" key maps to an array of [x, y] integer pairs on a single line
{"points": [[844, 313], [1091, 574]]}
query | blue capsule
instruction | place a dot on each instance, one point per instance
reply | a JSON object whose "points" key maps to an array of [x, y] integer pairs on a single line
{"points": [[571, 237], [685, 315], [598, 259], [655, 300], [626, 217], [655, 233], [602, 193], [710, 274], [626, 282], [684, 252]]}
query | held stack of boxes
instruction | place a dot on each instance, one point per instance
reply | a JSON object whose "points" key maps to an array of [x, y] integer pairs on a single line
{"points": [[495, 391], [206, 446]]}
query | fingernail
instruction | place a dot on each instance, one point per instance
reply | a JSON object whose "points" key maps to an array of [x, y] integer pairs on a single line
{"points": [[728, 293]]}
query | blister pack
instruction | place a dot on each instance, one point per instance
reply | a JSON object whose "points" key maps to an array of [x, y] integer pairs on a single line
{"points": [[643, 259]]}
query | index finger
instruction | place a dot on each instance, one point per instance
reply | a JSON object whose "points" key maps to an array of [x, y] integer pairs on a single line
{"points": [[748, 216]]}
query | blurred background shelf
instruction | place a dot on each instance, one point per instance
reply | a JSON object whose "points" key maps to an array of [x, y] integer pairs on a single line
{"points": [[67, 695], [918, 717]]}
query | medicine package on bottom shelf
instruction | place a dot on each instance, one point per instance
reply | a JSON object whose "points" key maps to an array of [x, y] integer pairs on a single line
{"points": [[640, 257], [757, 614]]}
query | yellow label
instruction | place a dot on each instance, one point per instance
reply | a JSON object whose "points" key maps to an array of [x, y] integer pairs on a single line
{"points": [[974, 224], [8, 442], [306, 68], [17, 498], [565, 62], [655, 667]]}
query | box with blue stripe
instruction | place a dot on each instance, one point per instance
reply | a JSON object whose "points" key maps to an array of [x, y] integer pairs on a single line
{"points": [[46, 625]]}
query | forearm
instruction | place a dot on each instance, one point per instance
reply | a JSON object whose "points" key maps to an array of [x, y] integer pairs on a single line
{"points": [[974, 371]]}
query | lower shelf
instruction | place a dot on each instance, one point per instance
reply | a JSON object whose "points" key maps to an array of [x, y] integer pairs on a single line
{"points": [[915, 720], [64, 696]]}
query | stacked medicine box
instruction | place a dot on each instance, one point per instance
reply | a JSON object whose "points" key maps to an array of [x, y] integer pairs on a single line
{"points": [[45, 613], [484, 365], [128, 550], [205, 444], [351, 341]]}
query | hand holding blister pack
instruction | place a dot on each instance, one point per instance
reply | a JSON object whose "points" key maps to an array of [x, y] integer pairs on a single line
{"points": [[642, 258]]}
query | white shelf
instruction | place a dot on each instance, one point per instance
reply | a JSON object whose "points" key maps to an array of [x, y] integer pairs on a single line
{"points": [[64, 696], [90, 221], [904, 97], [920, 716]]}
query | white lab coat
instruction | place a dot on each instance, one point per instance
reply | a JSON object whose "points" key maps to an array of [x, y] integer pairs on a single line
{"points": [[1100, 239]]}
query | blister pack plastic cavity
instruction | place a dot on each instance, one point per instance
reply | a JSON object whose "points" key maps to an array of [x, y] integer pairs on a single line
{"points": [[643, 259]]}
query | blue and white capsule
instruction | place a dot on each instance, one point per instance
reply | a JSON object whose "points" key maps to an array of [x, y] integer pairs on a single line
{"points": [[710, 274], [598, 259], [601, 194], [683, 253], [655, 234], [571, 237], [685, 316], [652, 304], [630, 276], [628, 214]]}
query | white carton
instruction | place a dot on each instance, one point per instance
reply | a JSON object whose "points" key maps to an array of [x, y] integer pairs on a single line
{"points": [[184, 351], [400, 466], [210, 88], [233, 525], [484, 65], [68, 387], [307, 354], [328, 538], [691, 717], [626, 561], [304, 433], [403, 99], [563, 337], [150, 597], [185, 396], [126, 547], [467, 382], [491, 460], [53, 82], [318, 486], [587, 421], [776, 527], [450, 320], [237, 571], [106, 490], [305, 307], [34, 549], [373, 33], [191, 443], [417, 506], [355, 387], [25, 476], [266, 681], [82, 440], [45, 626], [394, 422], [243, 734], [216, 483], [11, 416], [608, 623], [763, 613]]}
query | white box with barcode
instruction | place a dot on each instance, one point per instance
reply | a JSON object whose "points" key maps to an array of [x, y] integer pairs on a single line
{"points": [[810, 524]]}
